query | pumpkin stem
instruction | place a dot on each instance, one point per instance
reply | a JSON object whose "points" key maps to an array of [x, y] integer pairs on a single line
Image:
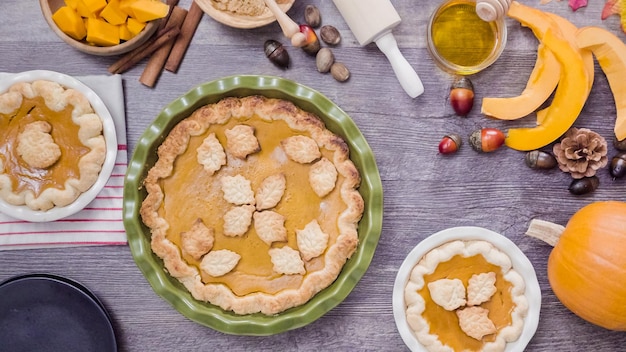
{"points": [[546, 231]]}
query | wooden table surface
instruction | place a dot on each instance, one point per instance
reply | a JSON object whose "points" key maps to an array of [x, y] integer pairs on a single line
{"points": [[424, 192]]}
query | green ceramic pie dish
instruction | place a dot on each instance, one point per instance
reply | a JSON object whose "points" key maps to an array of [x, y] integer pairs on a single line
{"points": [[175, 293]]}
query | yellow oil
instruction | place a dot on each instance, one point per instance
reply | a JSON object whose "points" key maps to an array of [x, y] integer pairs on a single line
{"points": [[460, 36]]}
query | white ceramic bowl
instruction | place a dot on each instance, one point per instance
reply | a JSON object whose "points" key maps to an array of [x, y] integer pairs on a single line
{"points": [[23, 212], [520, 263]]}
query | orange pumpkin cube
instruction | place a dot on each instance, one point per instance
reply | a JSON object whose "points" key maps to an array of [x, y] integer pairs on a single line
{"points": [[101, 33], [70, 22]]}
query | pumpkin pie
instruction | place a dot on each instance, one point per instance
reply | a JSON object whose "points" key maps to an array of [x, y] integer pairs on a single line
{"points": [[253, 204], [465, 296], [51, 145]]}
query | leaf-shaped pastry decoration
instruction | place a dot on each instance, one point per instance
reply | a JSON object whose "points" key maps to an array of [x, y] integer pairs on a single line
{"points": [[198, 240], [211, 154], [270, 191], [286, 260], [237, 190], [480, 288], [270, 226], [237, 220], [475, 322], [312, 241], [448, 293], [220, 262]]}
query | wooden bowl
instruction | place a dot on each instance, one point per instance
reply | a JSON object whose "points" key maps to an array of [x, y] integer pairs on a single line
{"points": [[241, 21], [48, 7]]}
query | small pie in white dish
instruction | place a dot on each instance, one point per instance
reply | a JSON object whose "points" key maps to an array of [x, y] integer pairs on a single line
{"points": [[466, 289]]}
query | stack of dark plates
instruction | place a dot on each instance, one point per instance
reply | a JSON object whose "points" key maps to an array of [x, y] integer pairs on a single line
{"points": [[43, 312]]}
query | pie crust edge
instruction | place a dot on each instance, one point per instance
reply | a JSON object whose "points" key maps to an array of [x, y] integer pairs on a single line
{"points": [[415, 304], [268, 109], [90, 134]]}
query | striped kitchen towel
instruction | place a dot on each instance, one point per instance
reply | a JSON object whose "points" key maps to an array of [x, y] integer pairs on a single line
{"points": [[100, 222]]}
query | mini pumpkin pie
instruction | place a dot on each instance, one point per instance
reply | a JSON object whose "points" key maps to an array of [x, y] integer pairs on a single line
{"points": [[465, 296], [51, 145], [253, 204]]}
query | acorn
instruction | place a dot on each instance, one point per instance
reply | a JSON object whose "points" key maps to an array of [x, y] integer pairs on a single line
{"points": [[462, 96], [580, 186], [538, 159], [450, 143], [486, 140], [619, 145], [618, 166], [276, 52], [311, 44]]}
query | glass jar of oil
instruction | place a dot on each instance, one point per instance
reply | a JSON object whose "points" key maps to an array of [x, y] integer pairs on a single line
{"points": [[460, 41]]}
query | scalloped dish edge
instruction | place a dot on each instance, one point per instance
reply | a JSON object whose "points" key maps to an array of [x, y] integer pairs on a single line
{"points": [[172, 291]]}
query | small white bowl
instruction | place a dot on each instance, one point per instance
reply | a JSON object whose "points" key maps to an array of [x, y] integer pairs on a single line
{"points": [[520, 263], [108, 129]]}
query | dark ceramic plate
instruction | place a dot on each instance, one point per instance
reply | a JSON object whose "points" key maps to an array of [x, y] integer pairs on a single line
{"points": [[42, 312]]}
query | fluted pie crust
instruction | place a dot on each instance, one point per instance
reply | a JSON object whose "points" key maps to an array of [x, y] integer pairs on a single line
{"points": [[51, 143], [253, 204], [442, 329]]}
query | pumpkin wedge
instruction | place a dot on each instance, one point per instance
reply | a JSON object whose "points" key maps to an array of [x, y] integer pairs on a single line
{"points": [[570, 32], [610, 52], [587, 265], [569, 98], [545, 75], [543, 78], [541, 83]]}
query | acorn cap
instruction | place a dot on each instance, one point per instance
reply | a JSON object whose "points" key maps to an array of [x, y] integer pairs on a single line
{"points": [[462, 82]]}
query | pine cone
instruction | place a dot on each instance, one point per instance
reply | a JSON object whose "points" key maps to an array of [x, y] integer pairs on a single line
{"points": [[581, 152]]}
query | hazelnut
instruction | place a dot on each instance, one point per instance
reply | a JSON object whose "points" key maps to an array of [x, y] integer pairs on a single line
{"points": [[324, 60], [339, 71], [330, 35], [312, 16]]}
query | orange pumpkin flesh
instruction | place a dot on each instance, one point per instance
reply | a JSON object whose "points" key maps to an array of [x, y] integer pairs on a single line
{"points": [[587, 267]]}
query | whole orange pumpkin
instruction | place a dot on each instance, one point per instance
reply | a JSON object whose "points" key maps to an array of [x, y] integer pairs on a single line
{"points": [[587, 267]]}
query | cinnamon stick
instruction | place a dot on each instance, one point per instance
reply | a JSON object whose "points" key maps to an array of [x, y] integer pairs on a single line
{"points": [[155, 64], [171, 4], [128, 61], [186, 34]]}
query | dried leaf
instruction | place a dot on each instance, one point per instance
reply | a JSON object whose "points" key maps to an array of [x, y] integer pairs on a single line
{"points": [[576, 4], [611, 7]]}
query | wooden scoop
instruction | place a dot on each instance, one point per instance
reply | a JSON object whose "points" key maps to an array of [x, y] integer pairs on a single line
{"points": [[290, 28]]}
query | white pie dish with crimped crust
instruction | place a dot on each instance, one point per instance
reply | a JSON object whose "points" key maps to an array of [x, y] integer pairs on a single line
{"points": [[101, 157], [468, 234]]}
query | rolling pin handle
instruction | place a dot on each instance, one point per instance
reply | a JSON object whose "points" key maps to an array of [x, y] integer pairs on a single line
{"points": [[409, 80]]}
